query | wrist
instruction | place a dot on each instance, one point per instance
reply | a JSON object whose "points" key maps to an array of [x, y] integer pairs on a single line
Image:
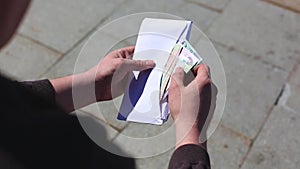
{"points": [[186, 134], [189, 133], [192, 136], [83, 90]]}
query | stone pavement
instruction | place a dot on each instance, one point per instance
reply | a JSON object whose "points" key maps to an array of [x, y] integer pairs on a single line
{"points": [[258, 43]]}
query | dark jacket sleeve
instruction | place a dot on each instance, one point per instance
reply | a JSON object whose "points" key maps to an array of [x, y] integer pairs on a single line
{"points": [[43, 88], [36, 134], [190, 156]]}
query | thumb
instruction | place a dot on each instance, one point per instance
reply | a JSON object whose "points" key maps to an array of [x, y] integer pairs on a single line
{"points": [[178, 77], [138, 65]]}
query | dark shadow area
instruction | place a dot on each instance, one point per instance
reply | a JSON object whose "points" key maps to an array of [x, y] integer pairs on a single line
{"points": [[208, 98], [36, 134]]}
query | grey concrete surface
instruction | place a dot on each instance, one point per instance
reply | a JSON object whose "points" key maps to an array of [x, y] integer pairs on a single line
{"points": [[202, 17], [227, 148], [159, 161], [106, 132], [216, 5], [24, 59], [278, 144], [258, 44], [264, 31], [293, 89], [61, 23], [252, 89]]}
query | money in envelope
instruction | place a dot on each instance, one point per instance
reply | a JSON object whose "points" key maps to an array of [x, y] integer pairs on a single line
{"points": [[145, 98], [182, 55]]}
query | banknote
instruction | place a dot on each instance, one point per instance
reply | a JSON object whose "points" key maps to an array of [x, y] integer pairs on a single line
{"points": [[187, 60], [169, 68], [183, 55], [189, 47]]}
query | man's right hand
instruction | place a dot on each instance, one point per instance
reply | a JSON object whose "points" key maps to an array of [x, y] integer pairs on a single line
{"points": [[186, 104]]}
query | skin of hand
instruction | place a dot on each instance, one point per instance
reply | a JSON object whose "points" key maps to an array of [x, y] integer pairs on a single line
{"points": [[186, 104], [112, 72], [97, 84]]}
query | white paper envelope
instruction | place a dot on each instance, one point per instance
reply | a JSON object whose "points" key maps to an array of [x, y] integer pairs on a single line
{"points": [[157, 37]]}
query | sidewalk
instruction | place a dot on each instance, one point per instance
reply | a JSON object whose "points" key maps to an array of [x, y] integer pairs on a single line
{"points": [[258, 43]]}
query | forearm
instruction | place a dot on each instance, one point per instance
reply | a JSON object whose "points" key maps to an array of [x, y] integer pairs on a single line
{"points": [[73, 92], [188, 134]]}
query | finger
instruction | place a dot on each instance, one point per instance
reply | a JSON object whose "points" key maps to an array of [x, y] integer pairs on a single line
{"points": [[178, 78], [202, 72], [202, 76], [201, 67], [138, 65], [126, 52], [130, 51]]}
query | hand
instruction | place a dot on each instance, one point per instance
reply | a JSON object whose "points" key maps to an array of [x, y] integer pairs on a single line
{"points": [[107, 76], [112, 71], [186, 104]]}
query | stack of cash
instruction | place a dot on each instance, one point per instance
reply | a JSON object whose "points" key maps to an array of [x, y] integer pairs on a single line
{"points": [[182, 55]]}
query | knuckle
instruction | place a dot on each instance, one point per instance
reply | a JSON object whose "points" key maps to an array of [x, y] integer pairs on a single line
{"points": [[137, 62], [119, 50], [204, 78], [119, 62], [179, 72], [204, 72], [173, 85], [140, 63]]}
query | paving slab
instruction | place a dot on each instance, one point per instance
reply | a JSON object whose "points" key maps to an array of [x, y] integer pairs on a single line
{"points": [[216, 5], [140, 130], [260, 29], [277, 146], [147, 140], [227, 149], [23, 59], [99, 131], [161, 161], [108, 132], [85, 55], [293, 87], [60, 24], [252, 89], [108, 112], [293, 5], [200, 16], [65, 66]]}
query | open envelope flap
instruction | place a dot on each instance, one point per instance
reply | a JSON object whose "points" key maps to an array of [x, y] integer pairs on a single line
{"points": [[161, 34], [156, 39], [186, 34]]}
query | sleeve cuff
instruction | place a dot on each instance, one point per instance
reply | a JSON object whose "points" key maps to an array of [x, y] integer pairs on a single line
{"points": [[42, 88], [190, 156]]}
